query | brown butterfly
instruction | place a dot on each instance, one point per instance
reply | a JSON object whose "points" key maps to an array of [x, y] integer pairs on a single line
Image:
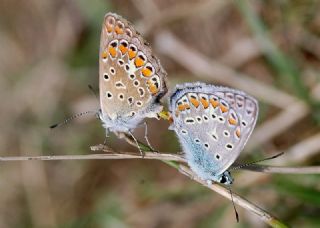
{"points": [[131, 80]]}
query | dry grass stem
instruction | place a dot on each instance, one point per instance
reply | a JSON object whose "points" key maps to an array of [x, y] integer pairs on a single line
{"points": [[224, 191]]}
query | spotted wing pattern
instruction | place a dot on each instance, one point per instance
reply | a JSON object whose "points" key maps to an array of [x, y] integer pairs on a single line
{"points": [[213, 125], [131, 79]]}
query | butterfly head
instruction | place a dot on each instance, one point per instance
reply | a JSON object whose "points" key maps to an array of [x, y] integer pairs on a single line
{"points": [[225, 178]]}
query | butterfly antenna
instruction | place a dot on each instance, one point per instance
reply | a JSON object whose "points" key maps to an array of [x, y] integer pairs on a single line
{"points": [[254, 162], [234, 206], [146, 136], [138, 146], [72, 118]]}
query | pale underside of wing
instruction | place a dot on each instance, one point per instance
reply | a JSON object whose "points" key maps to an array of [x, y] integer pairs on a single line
{"points": [[216, 121], [131, 80]]}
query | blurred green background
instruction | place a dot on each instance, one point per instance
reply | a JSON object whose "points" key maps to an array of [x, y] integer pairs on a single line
{"points": [[48, 56]]}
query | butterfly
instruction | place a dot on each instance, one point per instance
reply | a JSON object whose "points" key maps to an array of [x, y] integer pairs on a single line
{"points": [[131, 79], [213, 124]]}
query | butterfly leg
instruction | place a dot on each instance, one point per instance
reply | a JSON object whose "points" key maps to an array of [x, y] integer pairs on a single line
{"points": [[136, 141], [105, 139], [146, 137]]}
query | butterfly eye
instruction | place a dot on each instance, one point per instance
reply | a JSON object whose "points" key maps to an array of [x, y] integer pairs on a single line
{"points": [[223, 179]]}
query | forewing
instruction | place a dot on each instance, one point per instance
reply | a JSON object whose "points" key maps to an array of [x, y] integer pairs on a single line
{"points": [[131, 79]]}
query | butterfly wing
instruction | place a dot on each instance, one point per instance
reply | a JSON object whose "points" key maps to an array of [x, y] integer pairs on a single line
{"points": [[131, 79], [213, 124]]}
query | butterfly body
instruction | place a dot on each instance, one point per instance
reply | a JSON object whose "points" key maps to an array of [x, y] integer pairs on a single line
{"points": [[212, 124], [131, 79]]}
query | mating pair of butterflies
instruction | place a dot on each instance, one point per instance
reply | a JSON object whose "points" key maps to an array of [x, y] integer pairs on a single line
{"points": [[212, 123]]}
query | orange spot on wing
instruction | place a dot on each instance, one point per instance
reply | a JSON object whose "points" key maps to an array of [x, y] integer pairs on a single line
{"points": [[187, 106], [238, 132], [123, 49], [112, 51], [232, 121], [132, 54], [205, 103], [139, 62], [119, 30], [181, 107], [214, 103], [109, 28], [104, 55], [146, 72], [170, 119], [223, 108], [194, 102], [153, 89]]}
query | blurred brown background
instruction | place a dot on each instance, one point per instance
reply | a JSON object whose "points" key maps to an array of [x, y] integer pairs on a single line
{"points": [[48, 56]]}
